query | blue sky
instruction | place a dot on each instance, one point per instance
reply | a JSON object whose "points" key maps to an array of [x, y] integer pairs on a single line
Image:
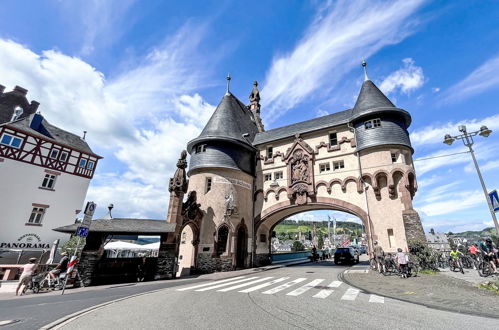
{"points": [[143, 77]]}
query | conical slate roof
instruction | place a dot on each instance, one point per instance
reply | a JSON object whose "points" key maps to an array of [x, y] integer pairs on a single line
{"points": [[229, 122], [372, 101]]}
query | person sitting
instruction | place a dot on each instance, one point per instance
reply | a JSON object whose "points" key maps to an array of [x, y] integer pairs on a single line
{"points": [[61, 267], [28, 271]]}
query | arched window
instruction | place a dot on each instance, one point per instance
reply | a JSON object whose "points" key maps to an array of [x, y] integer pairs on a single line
{"points": [[18, 111], [223, 235]]}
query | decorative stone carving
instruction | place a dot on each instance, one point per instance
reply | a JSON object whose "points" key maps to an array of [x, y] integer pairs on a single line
{"points": [[191, 209], [178, 183], [229, 204], [299, 159]]}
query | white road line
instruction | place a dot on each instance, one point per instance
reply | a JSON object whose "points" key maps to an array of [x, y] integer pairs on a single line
{"points": [[225, 284], [351, 294], [264, 285], [284, 286], [210, 283], [376, 299], [245, 284], [305, 288], [324, 293]]}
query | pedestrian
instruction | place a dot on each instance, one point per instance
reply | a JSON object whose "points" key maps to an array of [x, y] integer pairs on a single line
{"points": [[27, 273], [314, 253], [379, 256], [402, 262]]}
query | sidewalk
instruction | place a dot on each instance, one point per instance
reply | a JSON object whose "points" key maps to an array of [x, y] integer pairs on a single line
{"points": [[438, 291], [204, 277]]}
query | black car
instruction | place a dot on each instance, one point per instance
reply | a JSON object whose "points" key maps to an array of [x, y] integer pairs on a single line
{"points": [[346, 255]]}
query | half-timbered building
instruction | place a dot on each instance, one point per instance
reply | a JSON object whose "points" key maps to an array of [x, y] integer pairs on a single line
{"points": [[45, 172]]}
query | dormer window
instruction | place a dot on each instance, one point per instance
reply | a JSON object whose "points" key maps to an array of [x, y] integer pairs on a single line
{"points": [[18, 111], [373, 123], [201, 148]]}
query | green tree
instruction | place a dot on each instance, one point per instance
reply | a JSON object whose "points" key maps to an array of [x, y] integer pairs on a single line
{"points": [[70, 246], [298, 246]]}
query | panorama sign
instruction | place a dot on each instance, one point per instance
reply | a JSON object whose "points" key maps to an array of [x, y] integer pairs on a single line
{"points": [[26, 241]]}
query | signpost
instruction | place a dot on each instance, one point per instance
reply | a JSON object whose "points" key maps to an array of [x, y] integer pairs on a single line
{"points": [[82, 231], [494, 200]]}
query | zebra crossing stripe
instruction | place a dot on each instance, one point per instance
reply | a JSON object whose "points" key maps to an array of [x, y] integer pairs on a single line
{"points": [[225, 284], [350, 294], [376, 299], [305, 288], [264, 285], [324, 293], [210, 283], [244, 284], [284, 286]]}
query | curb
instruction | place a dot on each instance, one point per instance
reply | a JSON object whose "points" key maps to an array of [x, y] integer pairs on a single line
{"points": [[491, 316]]}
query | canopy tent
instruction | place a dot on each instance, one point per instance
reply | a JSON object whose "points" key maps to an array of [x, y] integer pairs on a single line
{"points": [[119, 245], [151, 246]]}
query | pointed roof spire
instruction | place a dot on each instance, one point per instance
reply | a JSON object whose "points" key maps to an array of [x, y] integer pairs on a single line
{"points": [[228, 84], [364, 65]]}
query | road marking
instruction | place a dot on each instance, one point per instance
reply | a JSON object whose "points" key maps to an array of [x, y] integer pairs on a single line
{"points": [[210, 283], [245, 284], [225, 284], [284, 286], [324, 293], [305, 288], [350, 294], [376, 299], [264, 285]]}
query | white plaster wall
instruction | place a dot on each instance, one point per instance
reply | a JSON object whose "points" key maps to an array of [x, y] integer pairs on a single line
{"points": [[19, 189]]}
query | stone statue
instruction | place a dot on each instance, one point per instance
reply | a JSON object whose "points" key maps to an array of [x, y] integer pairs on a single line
{"points": [[190, 208], [299, 167], [229, 203]]}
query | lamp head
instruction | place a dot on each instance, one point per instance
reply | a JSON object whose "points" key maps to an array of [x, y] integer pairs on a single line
{"points": [[484, 131], [462, 128], [448, 140]]}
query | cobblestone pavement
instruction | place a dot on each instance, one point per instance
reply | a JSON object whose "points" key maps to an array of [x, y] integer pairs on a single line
{"points": [[436, 291]]}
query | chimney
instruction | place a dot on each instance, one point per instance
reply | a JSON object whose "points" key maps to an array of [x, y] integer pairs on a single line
{"points": [[20, 90], [34, 106]]}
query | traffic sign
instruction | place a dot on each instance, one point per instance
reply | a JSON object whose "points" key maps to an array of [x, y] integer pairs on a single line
{"points": [[82, 231], [90, 209], [494, 200]]}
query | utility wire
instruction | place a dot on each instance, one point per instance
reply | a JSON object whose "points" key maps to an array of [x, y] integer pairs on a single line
{"points": [[440, 156]]}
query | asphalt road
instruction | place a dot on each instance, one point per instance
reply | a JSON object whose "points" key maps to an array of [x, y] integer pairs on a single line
{"points": [[36, 311], [308, 296]]}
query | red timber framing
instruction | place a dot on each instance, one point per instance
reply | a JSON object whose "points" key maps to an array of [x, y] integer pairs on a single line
{"points": [[37, 151]]}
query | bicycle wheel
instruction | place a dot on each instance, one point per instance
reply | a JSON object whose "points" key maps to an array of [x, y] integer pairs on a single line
{"points": [[36, 288], [372, 264]]}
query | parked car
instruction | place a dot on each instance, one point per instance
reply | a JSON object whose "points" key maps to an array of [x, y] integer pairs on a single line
{"points": [[363, 249], [346, 255]]}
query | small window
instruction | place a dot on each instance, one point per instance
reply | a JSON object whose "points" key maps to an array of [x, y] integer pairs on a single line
{"points": [[391, 238], [394, 157], [278, 176], [208, 185], [83, 163], [18, 111], [268, 177], [36, 216], [324, 167], [49, 181], [338, 165], [333, 139], [270, 152], [64, 156], [200, 148], [54, 153], [11, 141], [90, 165], [374, 123]]}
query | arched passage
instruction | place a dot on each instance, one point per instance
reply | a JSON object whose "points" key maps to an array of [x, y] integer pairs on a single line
{"points": [[189, 238]]}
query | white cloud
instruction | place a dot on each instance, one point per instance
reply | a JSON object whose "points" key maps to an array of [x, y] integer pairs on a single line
{"points": [[435, 89], [453, 202], [433, 134], [483, 78], [407, 79], [491, 165], [342, 34], [145, 116], [321, 113]]}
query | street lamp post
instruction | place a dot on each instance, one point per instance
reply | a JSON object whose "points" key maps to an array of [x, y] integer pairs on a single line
{"points": [[467, 138]]}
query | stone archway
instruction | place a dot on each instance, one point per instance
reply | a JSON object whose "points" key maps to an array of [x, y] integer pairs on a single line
{"points": [[187, 249], [271, 216]]}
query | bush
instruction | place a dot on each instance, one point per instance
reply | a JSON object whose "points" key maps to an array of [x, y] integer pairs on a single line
{"points": [[70, 246], [424, 255], [298, 246]]}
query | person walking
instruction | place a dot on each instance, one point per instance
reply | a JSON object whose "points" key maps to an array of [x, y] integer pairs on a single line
{"points": [[27, 273], [402, 262], [379, 256]]}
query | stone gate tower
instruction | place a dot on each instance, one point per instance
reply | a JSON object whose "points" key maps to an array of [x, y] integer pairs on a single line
{"points": [[244, 180]]}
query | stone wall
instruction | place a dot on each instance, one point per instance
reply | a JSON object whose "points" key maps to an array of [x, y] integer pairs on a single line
{"points": [[206, 264], [87, 265], [166, 266], [262, 259], [413, 227]]}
